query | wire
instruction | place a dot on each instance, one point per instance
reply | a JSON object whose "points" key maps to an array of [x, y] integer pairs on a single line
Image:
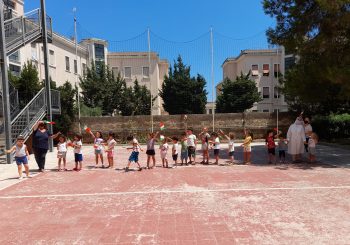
{"points": [[179, 42]]}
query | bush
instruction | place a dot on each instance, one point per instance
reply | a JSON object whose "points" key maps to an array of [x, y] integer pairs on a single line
{"points": [[90, 112], [334, 126]]}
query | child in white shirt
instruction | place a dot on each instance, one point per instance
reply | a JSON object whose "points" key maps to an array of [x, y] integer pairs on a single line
{"points": [[62, 152]]}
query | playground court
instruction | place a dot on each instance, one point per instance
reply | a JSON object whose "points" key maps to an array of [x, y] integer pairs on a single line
{"points": [[239, 204]]}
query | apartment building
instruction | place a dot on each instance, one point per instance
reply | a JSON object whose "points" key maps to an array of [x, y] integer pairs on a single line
{"points": [[265, 67], [146, 67]]}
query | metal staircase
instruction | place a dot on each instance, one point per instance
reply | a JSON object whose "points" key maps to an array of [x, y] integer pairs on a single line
{"points": [[20, 31]]}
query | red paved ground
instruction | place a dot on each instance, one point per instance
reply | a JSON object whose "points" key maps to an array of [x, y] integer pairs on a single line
{"points": [[185, 205]]}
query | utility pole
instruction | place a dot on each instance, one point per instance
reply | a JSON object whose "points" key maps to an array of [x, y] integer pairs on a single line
{"points": [[76, 58], [149, 74], [46, 65], [5, 85], [212, 75]]}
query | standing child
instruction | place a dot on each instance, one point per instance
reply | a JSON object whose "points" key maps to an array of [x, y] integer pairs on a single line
{"points": [[216, 146], [282, 147], [62, 152], [231, 144], [164, 151], [313, 140], [205, 145], [271, 146], [134, 156], [184, 150], [152, 138], [175, 149], [247, 149], [21, 156], [110, 149], [78, 154], [191, 145], [98, 140]]}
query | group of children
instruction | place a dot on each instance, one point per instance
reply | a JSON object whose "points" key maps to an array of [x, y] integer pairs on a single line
{"points": [[183, 148]]}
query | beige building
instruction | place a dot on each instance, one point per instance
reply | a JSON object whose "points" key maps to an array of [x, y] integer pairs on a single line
{"points": [[147, 68], [265, 65]]}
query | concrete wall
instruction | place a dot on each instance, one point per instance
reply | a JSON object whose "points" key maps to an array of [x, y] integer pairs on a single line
{"points": [[258, 123]]}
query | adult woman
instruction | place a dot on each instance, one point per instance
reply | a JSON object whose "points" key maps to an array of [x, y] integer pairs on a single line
{"points": [[41, 143], [308, 132], [296, 139]]}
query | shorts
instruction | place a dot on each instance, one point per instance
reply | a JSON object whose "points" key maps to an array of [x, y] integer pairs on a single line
{"points": [[163, 155], [98, 151], [61, 154], [312, 151], [78, 157], [175, 157], [110, 153], [216, 152], [282, 153], [205, 146], [231, 153], [271, 151], [184, 155], [191, 151], [134, 157], [151, 152], [21, 160], [247, 148]]}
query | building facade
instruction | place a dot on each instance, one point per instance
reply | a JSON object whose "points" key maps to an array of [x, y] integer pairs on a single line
{"points": [[266, 66]]}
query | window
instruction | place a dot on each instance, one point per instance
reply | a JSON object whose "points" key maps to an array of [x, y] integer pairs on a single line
{"points": [[266, 70], [276, 92], [115, 71], [145, 72], [276, 69], [99, 51], [15, 57], [210, 111], [15, 70], [255, 70], [52, 58], [127, 72], [75, 66], [67, 64], [84, 69], [266, 110], [266, 92], [34, 52]]}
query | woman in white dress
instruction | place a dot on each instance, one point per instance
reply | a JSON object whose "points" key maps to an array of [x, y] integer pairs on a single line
{"points": [[296, 139]]}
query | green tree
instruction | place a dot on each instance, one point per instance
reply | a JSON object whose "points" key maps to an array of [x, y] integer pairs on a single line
{"points": [[27, 84], [68, 109], [318, 32], [237, 96], [182, 94]]}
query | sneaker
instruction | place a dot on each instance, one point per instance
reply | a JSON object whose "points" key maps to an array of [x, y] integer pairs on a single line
{"points": [[20, 177], [75, 169], [126, 169], [140, 169], [28, 176]]}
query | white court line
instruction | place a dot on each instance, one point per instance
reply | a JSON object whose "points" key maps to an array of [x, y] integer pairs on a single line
{"points": [[176, 191]]}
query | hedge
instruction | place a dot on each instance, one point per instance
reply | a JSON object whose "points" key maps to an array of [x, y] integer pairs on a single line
{"points": [[332, 126]]}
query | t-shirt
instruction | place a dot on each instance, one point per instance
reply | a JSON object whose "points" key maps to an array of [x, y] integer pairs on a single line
{"points": [[247, 141], [150, 144], [282, 145], [308, 129], [41, 139], [175, 149], [270, 142], [205, 138], [62, 147], [184, 146], [191, 140], [21, 151], [164, 147], [311, 143], [217, 143], [76, 149], [135, 146], [111, 143], [231, 145], [98, 143]]}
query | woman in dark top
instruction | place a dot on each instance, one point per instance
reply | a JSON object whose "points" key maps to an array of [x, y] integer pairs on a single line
{"points": [[41, 143]]}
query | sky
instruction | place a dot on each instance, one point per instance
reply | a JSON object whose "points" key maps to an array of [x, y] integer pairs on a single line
{"points": [[178, 27]]}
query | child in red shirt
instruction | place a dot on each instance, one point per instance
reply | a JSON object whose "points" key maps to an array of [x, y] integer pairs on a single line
{"points": [[271, 147]]}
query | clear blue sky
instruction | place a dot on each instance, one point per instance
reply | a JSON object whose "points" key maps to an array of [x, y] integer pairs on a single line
{"points": [[179, 21]]}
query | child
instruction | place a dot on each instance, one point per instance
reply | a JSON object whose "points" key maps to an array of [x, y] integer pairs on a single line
{"points": [[231, 145], [184, 150], [216, 146], [313, 140], [271, 146], [150, 149], [205, 145], [174, 150], [110, 149], [134, 156], [163, 152], [282, 147], [62, 152], [78, 155], [21, 156], [98, 140], [247, 147], [191, 145]]}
